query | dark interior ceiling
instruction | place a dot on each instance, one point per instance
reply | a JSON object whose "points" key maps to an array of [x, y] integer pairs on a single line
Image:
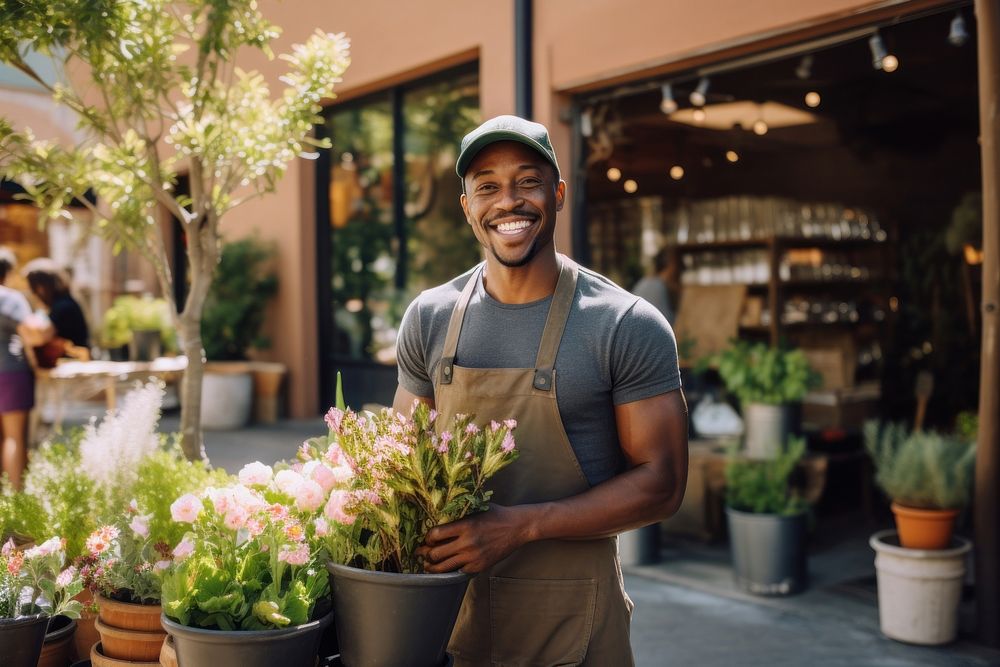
{"points": [[877, 131]]}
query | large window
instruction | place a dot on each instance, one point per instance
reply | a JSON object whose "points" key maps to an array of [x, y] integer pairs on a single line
{"points": [[390, 219]]}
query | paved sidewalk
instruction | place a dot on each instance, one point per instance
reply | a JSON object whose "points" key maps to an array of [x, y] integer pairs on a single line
{"points": [[688, 612]]}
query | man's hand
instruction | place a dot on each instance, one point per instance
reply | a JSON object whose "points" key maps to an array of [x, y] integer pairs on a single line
{"points": [[475, 543]]}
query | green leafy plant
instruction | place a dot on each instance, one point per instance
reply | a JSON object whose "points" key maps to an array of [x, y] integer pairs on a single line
{"points": [[921, 469], [34, 581], [758, 373], [234, 311], [130, 313], [123, 561], [762, 486], [397, 477]]}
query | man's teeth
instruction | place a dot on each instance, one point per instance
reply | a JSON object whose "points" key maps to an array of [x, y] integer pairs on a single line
{"points": [[515, 226]]}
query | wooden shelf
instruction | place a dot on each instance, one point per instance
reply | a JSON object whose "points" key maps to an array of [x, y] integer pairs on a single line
{"points": [[783, 241]]}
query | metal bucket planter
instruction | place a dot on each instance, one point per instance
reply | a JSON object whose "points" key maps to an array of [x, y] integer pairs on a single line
{"points": [[145, 345], [769, 552], [57, 648], [404, 620], [295, 646], [21, 639], [767, 428], [918, 589]]}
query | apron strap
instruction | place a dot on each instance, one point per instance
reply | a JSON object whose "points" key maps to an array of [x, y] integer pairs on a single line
{"points": [[455, 327], [555, 323]]}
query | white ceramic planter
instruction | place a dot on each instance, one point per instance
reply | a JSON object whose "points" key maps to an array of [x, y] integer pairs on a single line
{"points": [[226, 396], [918, 589]]}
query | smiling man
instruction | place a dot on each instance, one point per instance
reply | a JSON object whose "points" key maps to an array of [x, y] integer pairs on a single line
{"points": [[590, 374]]}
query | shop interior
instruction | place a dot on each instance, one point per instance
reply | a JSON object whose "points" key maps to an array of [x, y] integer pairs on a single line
{"points": [[828, 197]]}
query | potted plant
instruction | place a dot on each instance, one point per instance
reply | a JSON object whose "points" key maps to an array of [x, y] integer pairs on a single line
{"points": [[247, 588], [770, 383], [927, 475], [767, 522], [35, 590], [141, 323], [230, 326], [393, 478]]}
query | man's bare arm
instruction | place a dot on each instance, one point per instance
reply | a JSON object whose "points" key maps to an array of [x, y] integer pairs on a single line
{"points": [[653, 437], [403, 400]]}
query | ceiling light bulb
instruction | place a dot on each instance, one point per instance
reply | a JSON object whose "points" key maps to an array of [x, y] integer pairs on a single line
{"points": [[698, 95], [804, 70], [760, 127], [631, 186], [890, 63], [812, 99], [958, 35], [699, 115], [877, 47], [668, 105], [677, 172], [732, 156], [614, 174]]}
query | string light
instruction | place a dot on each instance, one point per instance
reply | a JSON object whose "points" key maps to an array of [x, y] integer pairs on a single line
{"points": [[677, 172], [669, 104], [698, 95], [760, 127], [732, 156], [881, 58], [631, 186], [812, 99], [614, 174], [698, 115], [958, 34]]}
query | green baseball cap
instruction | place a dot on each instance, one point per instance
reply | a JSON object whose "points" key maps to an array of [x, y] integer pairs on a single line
{"points": [[505, 128]]}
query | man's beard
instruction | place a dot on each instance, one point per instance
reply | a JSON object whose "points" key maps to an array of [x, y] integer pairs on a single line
{"points": [[515, 263]]}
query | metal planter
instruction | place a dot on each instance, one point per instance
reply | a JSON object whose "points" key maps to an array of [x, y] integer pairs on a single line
{"points": [[767, 428], [769, 552]]}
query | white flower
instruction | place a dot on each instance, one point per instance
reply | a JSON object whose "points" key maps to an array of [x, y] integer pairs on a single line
{"points": [[255, 474]]}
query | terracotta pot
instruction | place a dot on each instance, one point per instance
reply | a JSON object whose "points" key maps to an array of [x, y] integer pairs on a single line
{"points": [[86, 634], [98, 659], [924, 528], [57, 649], [138, 645], [128, 616], [168, 654]]}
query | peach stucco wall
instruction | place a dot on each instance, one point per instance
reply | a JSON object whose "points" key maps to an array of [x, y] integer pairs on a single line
{"points": [[577, 44]]}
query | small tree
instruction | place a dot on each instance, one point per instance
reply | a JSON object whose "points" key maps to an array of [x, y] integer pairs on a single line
{"points": [[157, 91]]}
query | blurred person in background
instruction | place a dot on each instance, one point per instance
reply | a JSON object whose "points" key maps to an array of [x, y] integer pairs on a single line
{"points": [[659, 288], [72, 337], [19, 331]]}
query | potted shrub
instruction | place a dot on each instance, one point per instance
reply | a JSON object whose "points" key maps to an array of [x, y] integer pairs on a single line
{"points": [[230, 326], [767, 522], [770, 383], [247, 588], [393, 478], [35, 590], [141, 323], [927, 475]]}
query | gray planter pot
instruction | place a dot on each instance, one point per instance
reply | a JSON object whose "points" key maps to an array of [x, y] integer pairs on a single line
{"points": [[145, 345], [296, 646], [767, 428], [403, 620], [226, 396], [21, 640], [769, 552]]}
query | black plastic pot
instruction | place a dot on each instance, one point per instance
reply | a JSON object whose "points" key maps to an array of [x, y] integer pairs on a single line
{"points": [[403, 620], [769, 552], [57, 648], [289, 647], [21, 639]]}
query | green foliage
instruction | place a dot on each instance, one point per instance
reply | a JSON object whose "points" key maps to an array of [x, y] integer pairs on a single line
{"points": [[921, 469], [967, 425], [762, 486], [21, 515], [129, 313], [34, 580], [123, 559], [234, 311], [966, 226], [758, 373]]}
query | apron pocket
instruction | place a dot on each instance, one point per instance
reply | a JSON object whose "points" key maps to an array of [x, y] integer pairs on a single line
{"points": [[542, 622]]}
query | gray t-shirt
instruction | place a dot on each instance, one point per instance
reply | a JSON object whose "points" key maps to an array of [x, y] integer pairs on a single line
{"points": [[616, 349], [14, 309]]}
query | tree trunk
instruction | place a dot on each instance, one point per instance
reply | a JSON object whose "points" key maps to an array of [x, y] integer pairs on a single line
{"points": [[191, 440]]}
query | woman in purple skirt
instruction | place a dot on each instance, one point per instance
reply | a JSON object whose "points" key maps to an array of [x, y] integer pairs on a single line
{"points": [[18, 328]]}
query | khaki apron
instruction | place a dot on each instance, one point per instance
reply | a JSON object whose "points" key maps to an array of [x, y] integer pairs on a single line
{"points": [[551, 602]]}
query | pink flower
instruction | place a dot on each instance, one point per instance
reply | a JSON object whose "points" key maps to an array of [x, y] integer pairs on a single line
{"points": [[8, 547], [133, 506], [432, 416], [49, 546], [309, 496], [183, 549], [334, 418], [287, 481], [508, 443], [494, 426], [335, 509], [236, 517], [510, 423], [65, 577], [256, 474], [248, 499], [254, 526], [140, 526], [342, 474], [441, 445], [321, 474], [161, 565], [297, 556], [221, 498], [335, 455], [186, 508], [472, 429], [278, 511], [294, 531], [446, 437], [322, 527]]}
